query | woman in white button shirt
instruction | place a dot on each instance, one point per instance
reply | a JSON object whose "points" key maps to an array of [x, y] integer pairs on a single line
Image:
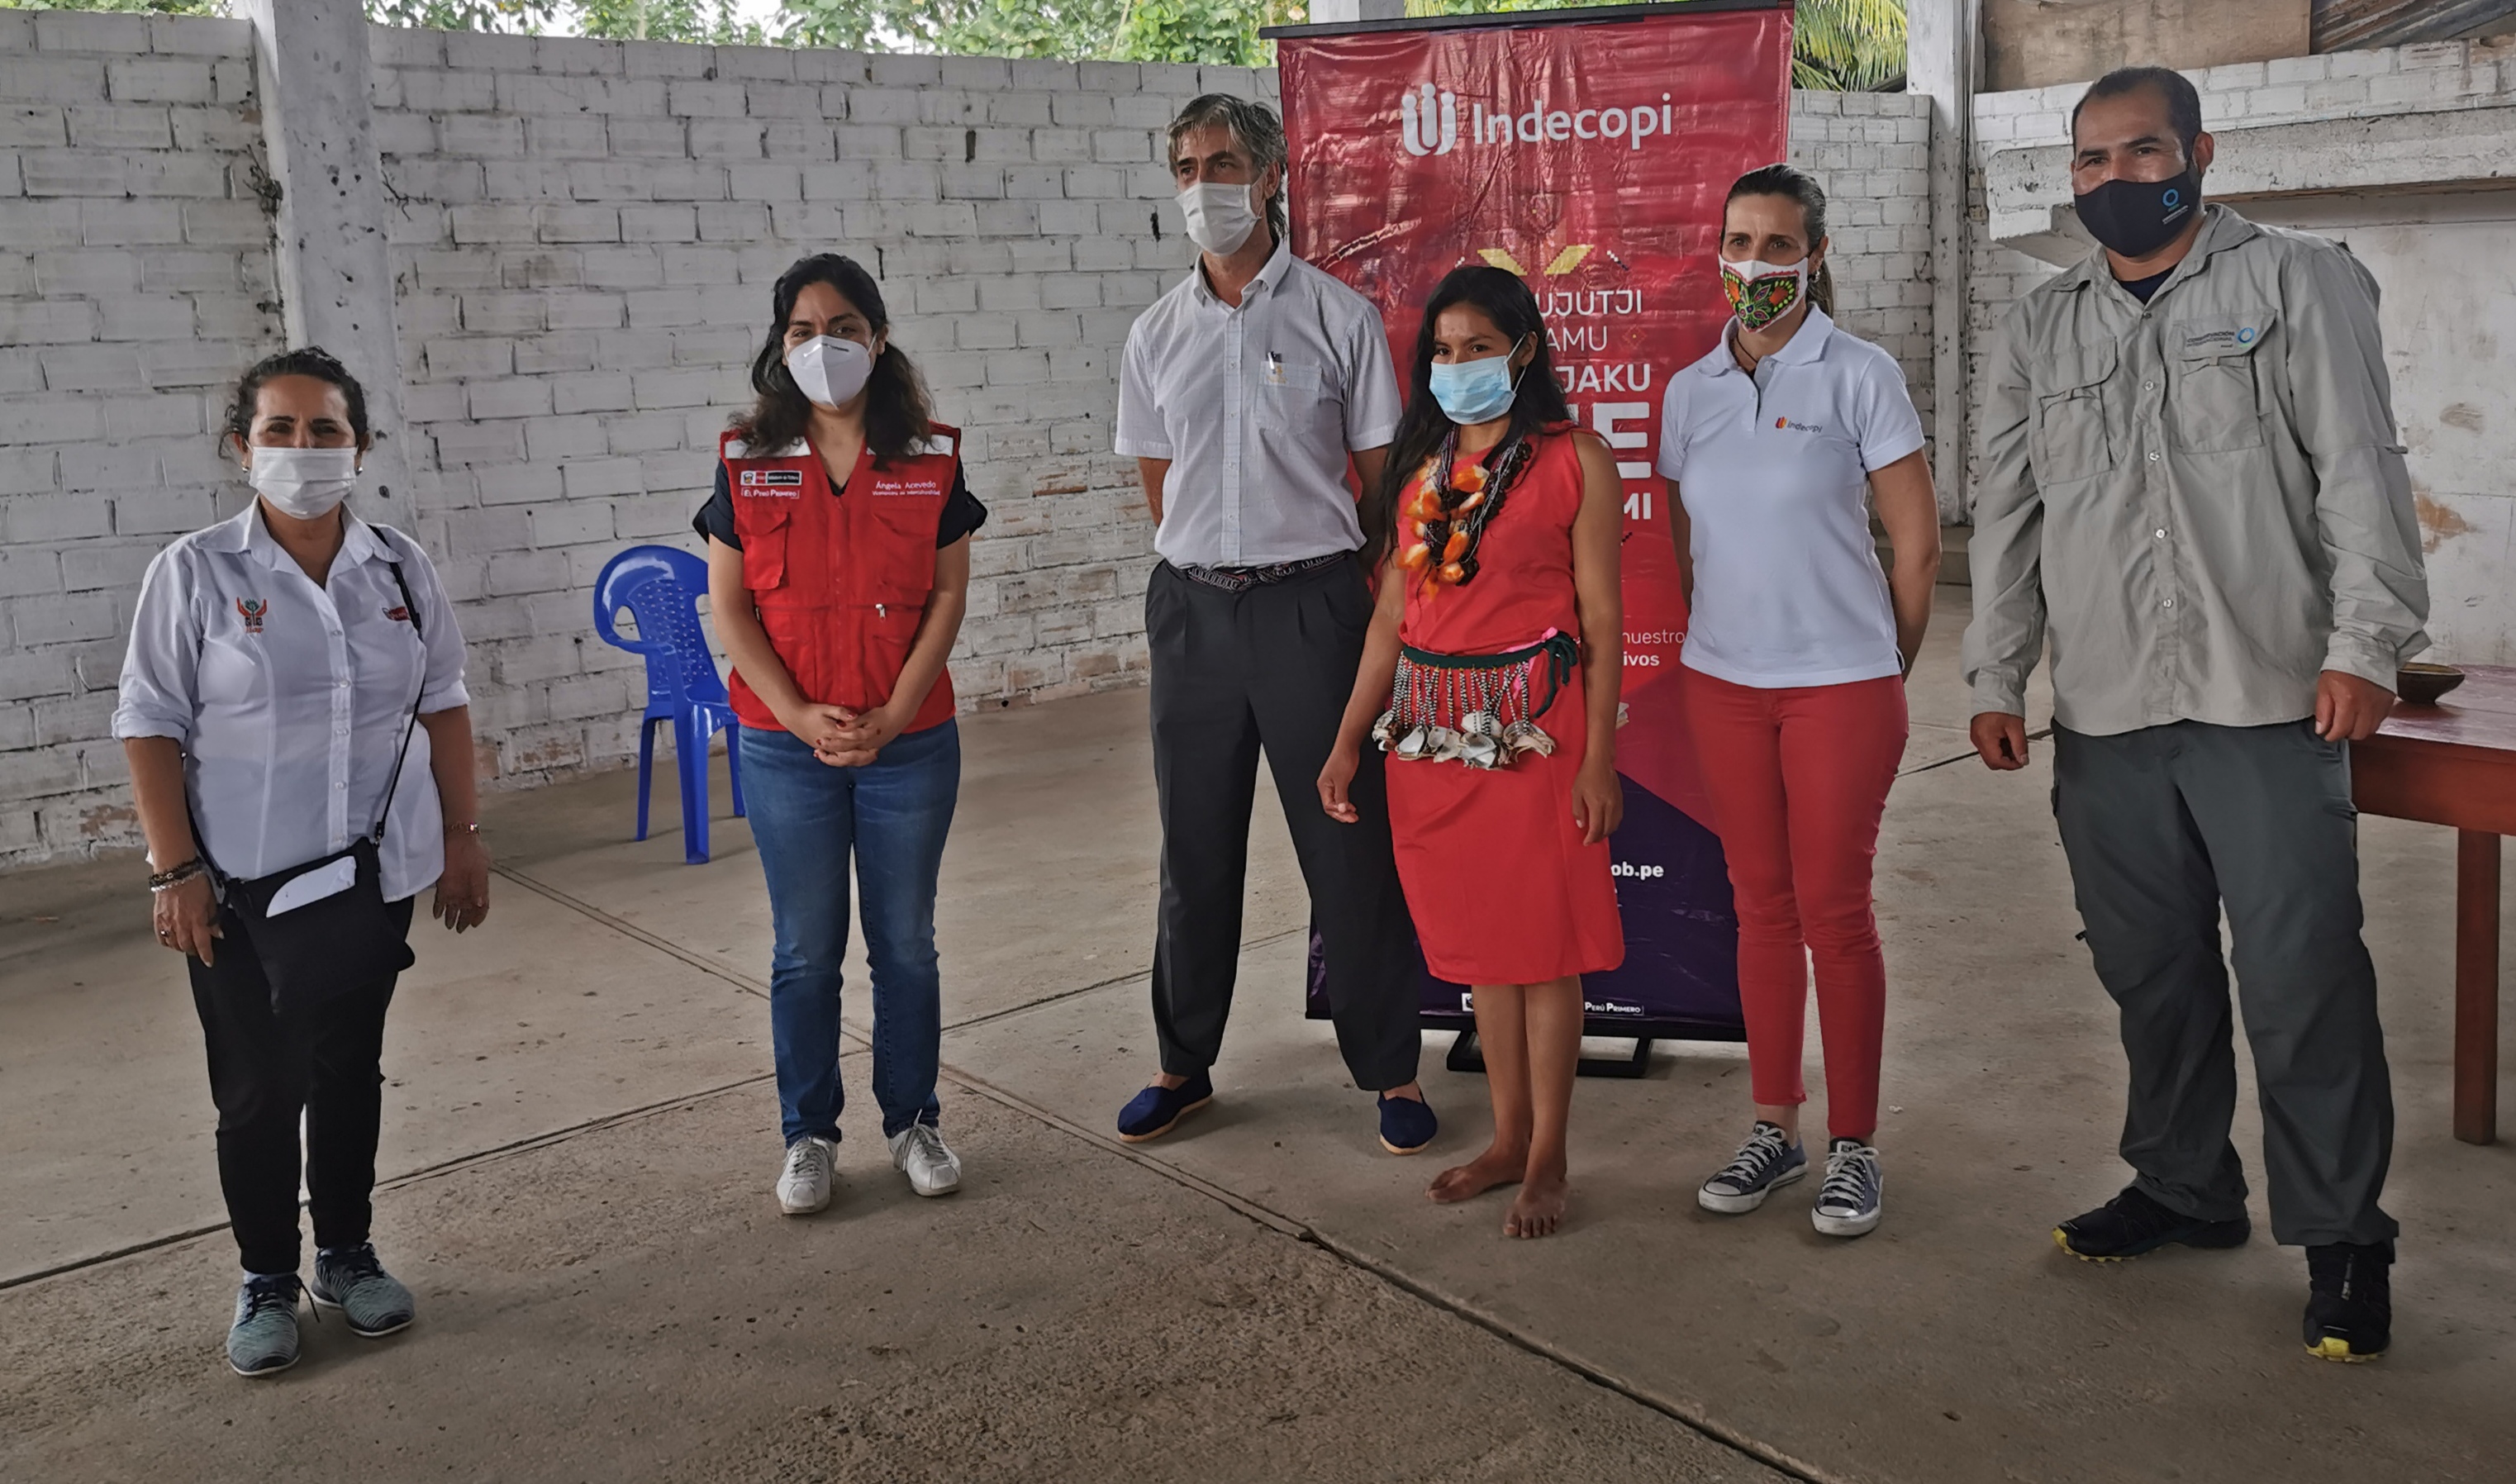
{"points": [[1776, 447], [276, 662]]}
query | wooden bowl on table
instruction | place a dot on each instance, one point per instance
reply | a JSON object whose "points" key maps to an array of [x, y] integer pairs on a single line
{"points": [[2421, 684]]}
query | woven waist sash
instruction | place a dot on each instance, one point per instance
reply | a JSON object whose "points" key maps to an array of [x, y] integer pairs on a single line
{"points": [[1480, 710]]}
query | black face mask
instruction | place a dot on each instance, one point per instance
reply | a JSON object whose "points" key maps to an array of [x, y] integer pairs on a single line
{"points": [[2137, 218]]}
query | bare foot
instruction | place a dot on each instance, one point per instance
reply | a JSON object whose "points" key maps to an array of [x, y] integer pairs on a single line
{"points": [[1498, 1166], [1538, 1209]]}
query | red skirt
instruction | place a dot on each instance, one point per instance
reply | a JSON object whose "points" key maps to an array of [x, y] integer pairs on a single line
{"points": [[1501, 885]]}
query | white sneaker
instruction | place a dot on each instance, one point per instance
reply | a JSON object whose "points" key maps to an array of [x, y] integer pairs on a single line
{"points": [[931, 1170], [804, 1185]]}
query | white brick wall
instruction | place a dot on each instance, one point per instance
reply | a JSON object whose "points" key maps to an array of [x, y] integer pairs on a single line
{"points": [[585, 238], [2412, 79], [584, 235], [1871, 152], [135, 279]]}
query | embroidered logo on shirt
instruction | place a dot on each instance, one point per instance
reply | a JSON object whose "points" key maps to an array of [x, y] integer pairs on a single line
{"points": [[2244, 335], [1797, 427], [397, 614], [772, 481], [253, 611]]}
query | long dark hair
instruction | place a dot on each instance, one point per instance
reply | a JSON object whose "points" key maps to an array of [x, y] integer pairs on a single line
{"points": [[313, 360], [897, 413], [1506, 301], [1799, 185]]}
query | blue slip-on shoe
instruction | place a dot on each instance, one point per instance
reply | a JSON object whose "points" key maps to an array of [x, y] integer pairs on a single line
{"points": [[1157, 1110], [1406, 1125]]}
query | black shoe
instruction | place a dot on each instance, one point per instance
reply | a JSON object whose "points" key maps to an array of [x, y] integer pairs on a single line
{"points": [[2132, 1224], [2349, 1301]]}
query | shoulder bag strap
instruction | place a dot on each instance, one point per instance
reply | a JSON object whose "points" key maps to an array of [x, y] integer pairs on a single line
{"points": [[410, 606]]}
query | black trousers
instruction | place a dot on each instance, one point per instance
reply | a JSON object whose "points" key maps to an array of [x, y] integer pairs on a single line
{"points": [[264, 1072], [2164, 828], [1271, 669]]}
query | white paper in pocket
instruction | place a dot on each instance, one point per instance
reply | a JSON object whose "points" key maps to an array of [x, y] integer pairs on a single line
{"points": [[314, 886]]}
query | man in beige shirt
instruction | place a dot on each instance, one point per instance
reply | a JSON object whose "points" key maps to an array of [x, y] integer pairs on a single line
{"points": [[2194, 491]]}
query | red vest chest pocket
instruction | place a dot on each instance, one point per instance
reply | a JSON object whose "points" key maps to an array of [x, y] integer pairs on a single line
{"points": [[894, 527], [764, 519]]}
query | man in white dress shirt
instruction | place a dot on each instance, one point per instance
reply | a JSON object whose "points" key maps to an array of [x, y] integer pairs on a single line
{"points": [[1246, 392]]}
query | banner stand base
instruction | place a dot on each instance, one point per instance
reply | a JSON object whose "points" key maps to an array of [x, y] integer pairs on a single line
{"points": [[1466, 1056]]}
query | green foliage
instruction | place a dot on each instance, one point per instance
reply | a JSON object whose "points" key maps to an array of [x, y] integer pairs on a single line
{"points": [[667, 20], [1001, 27], [1217, 32], [1848, 46], [1210, 32], [848, 24], [465, 15], [127, 6]]}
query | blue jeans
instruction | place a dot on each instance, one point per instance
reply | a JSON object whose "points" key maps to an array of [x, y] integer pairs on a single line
{"points": [[805, 817]]}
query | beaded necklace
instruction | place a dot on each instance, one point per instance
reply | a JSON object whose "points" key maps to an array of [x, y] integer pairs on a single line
{"points": [[1452, 506]]}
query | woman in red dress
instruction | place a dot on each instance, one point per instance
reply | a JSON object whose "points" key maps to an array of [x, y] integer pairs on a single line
{"points": [[1490, 676]]}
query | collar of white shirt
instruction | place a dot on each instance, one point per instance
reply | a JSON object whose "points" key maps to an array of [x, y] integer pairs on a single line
{"points": [[1807, 346], [1280, 263], [247, 533]]}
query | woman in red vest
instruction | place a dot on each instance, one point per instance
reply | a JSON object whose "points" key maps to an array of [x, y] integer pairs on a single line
{"points": [[838, 570]]}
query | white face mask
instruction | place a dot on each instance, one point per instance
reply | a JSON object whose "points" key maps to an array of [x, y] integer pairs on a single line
{"points": [[1220, 217], [828, 370], [304, 482]]}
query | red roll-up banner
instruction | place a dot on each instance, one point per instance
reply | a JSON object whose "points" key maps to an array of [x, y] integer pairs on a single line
{"points": [[1590, 152]]}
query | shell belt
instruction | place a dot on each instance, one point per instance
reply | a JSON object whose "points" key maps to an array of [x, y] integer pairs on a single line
{"points": [[1480, 710]]}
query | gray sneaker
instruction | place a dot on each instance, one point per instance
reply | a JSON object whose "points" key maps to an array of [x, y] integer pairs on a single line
{"points": [[350, 1280], [1765, 1164], [263, 1340], [1847, 1204]]}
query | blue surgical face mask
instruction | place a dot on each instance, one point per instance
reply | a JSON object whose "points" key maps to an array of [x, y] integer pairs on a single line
{"points": [[1475, 390]]}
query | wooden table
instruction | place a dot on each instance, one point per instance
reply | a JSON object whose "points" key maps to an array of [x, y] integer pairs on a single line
{"points": [[2454, 764]]}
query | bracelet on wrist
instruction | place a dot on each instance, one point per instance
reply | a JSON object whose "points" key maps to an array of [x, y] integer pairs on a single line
{"points": [[467, 827], [177, 875]]}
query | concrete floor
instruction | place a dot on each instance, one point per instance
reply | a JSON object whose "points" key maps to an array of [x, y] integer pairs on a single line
{"points": [[580, 1136]]}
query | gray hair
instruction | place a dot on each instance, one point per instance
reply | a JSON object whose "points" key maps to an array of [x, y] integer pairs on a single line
{"points": [[1253, 125]]}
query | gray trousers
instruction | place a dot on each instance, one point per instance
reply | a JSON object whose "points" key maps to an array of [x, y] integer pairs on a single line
{"points": [[1235, 673], [2162, 827]]}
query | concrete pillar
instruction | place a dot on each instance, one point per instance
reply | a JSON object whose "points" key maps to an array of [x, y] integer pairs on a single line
{"points": [[1339, 12], [1943, 50], [335, 279]]}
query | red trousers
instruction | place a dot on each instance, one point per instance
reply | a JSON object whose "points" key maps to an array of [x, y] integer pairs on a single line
{"points": [[1798, 779]]}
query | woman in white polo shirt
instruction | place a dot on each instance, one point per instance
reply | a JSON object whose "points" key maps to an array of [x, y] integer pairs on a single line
{"points": [[300, 744], [1776, 447]]}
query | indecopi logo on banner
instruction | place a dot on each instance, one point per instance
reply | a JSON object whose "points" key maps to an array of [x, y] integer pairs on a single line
{"points": [[1591, 158], [1428, 122]]}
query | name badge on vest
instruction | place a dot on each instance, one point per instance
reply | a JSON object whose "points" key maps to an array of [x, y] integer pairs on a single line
{"points": [[785, 483]]}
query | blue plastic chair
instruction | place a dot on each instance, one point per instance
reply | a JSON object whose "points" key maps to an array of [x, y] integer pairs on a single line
{"points": [[660, 586]]}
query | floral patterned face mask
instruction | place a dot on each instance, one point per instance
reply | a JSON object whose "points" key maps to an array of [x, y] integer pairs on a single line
{"points": [[1761, 293]]}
